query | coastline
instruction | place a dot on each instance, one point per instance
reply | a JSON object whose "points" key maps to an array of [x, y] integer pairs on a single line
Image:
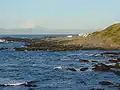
{"points": [[64, 43], [107, 39]]}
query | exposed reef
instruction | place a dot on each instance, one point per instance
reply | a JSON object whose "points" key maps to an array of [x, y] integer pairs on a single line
{"points": [[111, 65]]}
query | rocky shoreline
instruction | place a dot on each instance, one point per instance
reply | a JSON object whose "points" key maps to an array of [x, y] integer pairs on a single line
{"points": [[63, 44], [60, 44], [111, 65], [107, 39]]}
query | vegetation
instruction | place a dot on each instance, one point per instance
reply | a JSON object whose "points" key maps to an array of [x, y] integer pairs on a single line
{"points": [[107, 39], [112, 32]]}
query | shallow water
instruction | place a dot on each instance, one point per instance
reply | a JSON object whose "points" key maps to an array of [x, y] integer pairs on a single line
{"points": [[22, 66]]}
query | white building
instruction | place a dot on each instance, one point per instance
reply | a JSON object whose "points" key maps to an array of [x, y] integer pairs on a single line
{"points": [[69, 36], [83, 34]]}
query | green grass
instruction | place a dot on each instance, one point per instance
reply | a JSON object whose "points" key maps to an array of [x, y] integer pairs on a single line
{"points": [[112, 32]]}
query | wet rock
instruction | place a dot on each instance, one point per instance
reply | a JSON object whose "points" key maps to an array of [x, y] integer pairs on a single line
{"points": [[71, 69], [94, 61], [110, 84], [97, 89], [116, 71], [82, 60], [96, 55], [117, 85], [113, 53], [30, 89], [83, 69], [117, 65], [30, 85], [101, 67], [66, 68], [3, 48], [110, 54], [105, 83], [115, 60], [113, 65]]}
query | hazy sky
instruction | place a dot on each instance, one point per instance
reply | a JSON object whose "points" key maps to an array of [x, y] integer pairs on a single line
{"points": [[59, 14]]}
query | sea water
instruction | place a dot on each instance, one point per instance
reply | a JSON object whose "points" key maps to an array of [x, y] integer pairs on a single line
{"points": [[24, 66]]}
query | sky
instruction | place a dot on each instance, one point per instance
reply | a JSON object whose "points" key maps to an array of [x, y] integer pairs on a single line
{"points": [[59, 14]]}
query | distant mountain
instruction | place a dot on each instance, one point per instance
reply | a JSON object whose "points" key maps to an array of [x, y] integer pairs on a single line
{"points": [[40, 30], [37, 30]]}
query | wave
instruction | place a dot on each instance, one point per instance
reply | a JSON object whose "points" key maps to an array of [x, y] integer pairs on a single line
{"points": [[70, 68], [27, 84], [2, 40]]}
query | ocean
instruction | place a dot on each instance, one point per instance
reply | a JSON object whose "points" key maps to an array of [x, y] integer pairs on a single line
{"points": [[47, 70]]}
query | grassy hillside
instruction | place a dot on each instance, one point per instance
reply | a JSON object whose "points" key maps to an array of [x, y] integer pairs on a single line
{"points": [[112, 32], [107, 39]]}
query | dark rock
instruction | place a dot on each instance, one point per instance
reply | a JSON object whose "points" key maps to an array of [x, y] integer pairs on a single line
{"points": [[116, 72], [110, 54], [96, 55], [71, 69], [82, 60], [115, 60], [30, 89], [101, 67], [3, 48], [113, 53], [94, 61], [30, 85], [106, 83], [97, 89], [83, 69], [2, 85], [117, 85], [115, 65]]}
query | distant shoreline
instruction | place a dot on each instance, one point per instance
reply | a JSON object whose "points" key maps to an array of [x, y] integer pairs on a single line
{"points": [[108, 39]]}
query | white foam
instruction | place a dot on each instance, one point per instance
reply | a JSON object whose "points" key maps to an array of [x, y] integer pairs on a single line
{"points": [[97, 54], [2, 40], [59, 67], [112, 64], [77, 70], [15, 84]]}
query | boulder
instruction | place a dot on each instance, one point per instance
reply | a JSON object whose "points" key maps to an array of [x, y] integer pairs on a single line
{"points": [[82, 60], [97, 89], [115, 60], [105, 83], [71, 69], [83, 69], [101, 67]]}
